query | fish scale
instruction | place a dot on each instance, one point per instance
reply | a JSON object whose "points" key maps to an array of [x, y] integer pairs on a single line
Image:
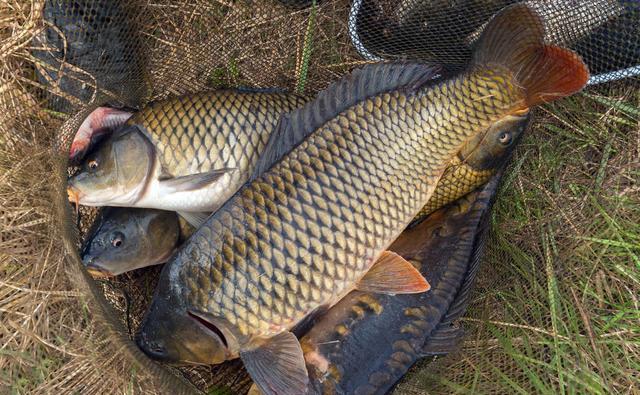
{"points": [[401, 167], [209, 130], [457, 180]]}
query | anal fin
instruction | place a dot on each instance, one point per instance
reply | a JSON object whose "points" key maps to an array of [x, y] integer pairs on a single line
{"points": [[277, 365], [194, 182], [392, 274]]}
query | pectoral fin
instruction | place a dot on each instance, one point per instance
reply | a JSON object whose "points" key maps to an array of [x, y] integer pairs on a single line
{"points": [[277, 365], [194, 219], [194, 181], [392, 274]]}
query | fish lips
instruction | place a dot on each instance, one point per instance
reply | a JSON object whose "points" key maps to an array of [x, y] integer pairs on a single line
{"points": [[95, 266]]}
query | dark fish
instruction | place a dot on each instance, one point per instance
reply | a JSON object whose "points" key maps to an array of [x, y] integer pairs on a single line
{"points": [[125, 239], [316, 220]]}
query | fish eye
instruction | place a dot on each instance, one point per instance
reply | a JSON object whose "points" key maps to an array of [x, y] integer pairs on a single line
{"points": [[504, 138], [117, 239], [93, 164]]}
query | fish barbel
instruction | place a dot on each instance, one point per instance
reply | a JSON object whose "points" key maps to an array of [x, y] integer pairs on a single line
{"points": [[187, 154], [314, 221]]}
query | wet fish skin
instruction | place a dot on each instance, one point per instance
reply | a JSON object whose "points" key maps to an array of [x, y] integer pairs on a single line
{"points": [[313, 224], [304, 233], [202, 149], [476, 163], [125, 239]]}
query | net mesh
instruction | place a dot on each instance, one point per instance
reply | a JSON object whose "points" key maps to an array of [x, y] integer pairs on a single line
{"points": [[60, 58]]}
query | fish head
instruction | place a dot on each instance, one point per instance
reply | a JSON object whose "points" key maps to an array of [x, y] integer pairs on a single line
{"points": [[126, 239], [176, 334], [488, 150], [116, 172]]}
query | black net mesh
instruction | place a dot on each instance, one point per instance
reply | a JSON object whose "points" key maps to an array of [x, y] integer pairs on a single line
{"points": [[604, 32], [60, 57]]}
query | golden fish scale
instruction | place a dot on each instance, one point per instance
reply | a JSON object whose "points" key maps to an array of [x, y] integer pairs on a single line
{"points": [[458, 180], [214, 130], [305, 231]]}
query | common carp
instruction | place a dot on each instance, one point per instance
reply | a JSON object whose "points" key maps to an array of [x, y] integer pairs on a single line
{"points": [[338, 182], [186, 154], [125, 239], [476, 163]]}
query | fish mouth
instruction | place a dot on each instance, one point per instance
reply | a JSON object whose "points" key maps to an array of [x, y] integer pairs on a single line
{"points": [[74, 196], [98, 272]]}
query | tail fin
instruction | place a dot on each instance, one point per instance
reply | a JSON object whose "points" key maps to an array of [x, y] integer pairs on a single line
{"points": [[514, 39]]}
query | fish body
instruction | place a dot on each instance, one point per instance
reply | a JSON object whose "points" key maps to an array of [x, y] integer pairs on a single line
{"points": [[184, 154], [476, 163], [127, 239], [316, 223], [366, 342], [124, 239]]}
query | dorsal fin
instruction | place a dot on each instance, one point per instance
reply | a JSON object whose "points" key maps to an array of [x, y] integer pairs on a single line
{"points": [[370, 80]]}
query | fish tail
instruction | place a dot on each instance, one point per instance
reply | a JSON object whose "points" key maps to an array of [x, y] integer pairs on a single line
{"points": [[514, 39]]}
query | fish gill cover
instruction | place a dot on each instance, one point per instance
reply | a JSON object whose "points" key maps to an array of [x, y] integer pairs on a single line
{"points": [[61, 58]]}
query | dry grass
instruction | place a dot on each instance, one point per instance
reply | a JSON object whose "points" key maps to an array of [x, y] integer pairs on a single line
{"points": [[556, 308]]}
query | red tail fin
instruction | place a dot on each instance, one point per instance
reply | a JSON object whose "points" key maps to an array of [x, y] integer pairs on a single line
{"points": [[514, 39]]}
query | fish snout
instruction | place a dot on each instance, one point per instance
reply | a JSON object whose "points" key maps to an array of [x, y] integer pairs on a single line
{"points": [[152, 349], [92, 264]]}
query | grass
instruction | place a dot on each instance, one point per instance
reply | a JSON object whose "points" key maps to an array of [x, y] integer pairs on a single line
{"points": [[557, 305]]}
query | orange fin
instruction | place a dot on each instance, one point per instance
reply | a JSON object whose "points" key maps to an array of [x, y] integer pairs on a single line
{"points": [[392, 274], [514, 39], [277, 365]]}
